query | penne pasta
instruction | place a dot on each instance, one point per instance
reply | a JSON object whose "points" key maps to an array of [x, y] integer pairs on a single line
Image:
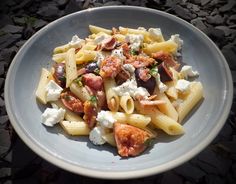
{"points": [[71, 70], [96, 29], [161, 120], [167, 46], [113, 100], [127, 104], [195, 95], [110, 139], [166, 108], [40, 93], [85, 56], [80, 91], [75, 128]]}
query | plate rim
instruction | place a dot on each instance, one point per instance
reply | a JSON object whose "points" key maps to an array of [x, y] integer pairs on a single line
{"points": [[118, 174]]}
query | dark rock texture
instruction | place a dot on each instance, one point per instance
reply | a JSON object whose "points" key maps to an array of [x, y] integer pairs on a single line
{"points": [[20, 19]]}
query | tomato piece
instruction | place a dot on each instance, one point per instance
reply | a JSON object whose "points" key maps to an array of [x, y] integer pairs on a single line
{"points": [[72, 102], [130, 140]]}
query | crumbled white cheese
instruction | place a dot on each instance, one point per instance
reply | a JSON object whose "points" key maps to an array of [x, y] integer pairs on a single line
{"points": [[76, 42], [95, 136], [175, 38], [187, 71], [129, 87], [118, 53], [182, 85], [53, 91], [52, 116], [105, 119], [155, 33], [99, 58], [129, 68], [161, 86], [135, 41], [101, 38]]}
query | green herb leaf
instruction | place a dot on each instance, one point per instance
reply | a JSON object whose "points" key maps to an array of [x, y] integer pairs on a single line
{"points": [[79, 81], [133, 52], [97, 71], [93, 99], [154, 71], [149, 142]]}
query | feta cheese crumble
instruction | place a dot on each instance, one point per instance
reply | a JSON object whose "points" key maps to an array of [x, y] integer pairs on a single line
{"points": [[134, 40], [187, 71], [118, 53], [95, 136], [52, 116], [101, 38], [76, 42], [175, 38], [129, 68], [105, 119], [182, 85], [53, 91], [99, 58], [129, 87]]}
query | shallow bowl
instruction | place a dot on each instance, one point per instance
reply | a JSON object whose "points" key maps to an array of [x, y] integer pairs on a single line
{"points": [[77, 154]]}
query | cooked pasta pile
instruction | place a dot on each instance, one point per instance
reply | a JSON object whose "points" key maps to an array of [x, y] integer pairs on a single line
{"points": [[118, 87]]}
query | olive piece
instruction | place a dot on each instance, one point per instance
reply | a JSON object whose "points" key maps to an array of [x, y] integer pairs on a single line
{"points": [[149, 84], [91, 67], [59, 74]]}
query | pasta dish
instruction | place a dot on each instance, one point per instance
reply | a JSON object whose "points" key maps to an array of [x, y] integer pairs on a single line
{"points": [[119, 86]]}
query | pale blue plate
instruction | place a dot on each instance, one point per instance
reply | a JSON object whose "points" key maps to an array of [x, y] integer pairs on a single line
{"points": [[78, 155]]}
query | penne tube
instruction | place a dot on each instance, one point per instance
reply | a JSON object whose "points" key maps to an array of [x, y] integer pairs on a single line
{"points": [[71, 69], [166, 108], [127, 104], [110, 139], [85, 56], [137, 120], [41, 93], [58, 58], [80, 91], [95, 29], [161, 120], [194, 96], [75, 127], [113, 100], [167, 46], [61, 49]]}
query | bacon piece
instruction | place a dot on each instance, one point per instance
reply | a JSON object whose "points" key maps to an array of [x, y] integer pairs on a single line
{"points": [[126, 50], [109, 44], [81, 71], [90, 113], [130, 140], [110, 67], [72, 102], [93, 81], [166, 58], [122, 76], [139, 61], [101, 99]]}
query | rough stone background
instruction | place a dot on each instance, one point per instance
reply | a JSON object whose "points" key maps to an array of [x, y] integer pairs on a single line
{"points": [[20, 19]]}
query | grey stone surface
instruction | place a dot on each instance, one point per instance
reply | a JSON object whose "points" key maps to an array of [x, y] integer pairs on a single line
{"points": [[12, 29]]}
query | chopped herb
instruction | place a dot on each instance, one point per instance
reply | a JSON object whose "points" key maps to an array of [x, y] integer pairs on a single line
{"points": [[93, 99], [154, 71], [97, 71], [133, 52], [67, 97], [79, 81], [149, 142]]}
